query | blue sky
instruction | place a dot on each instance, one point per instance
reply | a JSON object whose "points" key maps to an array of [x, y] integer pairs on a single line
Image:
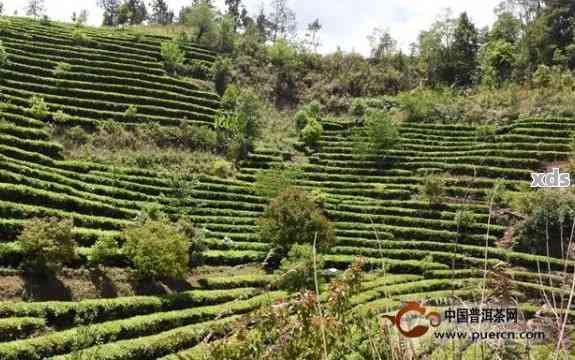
{"points": [[346, 23]]}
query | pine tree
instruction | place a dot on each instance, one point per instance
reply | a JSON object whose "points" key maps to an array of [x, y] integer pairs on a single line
{"points": [[35, 8], [161, 14], [234, 11], [264, 26], [137, 11], [110, 8], [282, 19], [464, 51], [313, 33]]}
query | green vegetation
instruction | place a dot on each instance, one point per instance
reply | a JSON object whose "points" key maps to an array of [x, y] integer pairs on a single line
{"points": [[293, 218], [47, 244], [271, 182], [299, 268], [546, 231], [157, 249], [172, 55], [3, 55], [433, 189], [185, 156], [311, 133], [381, 131]]}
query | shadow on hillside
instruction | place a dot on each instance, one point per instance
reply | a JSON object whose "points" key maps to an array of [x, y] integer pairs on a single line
{"points": [[45, 287], [103, 283], [159, 287]]}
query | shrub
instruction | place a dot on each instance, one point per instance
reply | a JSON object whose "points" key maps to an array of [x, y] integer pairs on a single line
{"points": [[131, 112], [547, 228], [381, 130], [196, 137], [319, 197], [269, 183], [79, 37], [196, 237], [172, 55], [293, 218], [313, 109], [358, 107], [157, 249], [486, 132], [281, 53], [464, 219], [61, 69], [239, 118], [301, 118], [221, 74], [199, 69], [104, 249], [311, 133], [45, 20], [433, 188], [47, 244], [182, 39], [138, 37], [222, 168], [3, 54], [319, 327], [38, 107], [298, 269]]}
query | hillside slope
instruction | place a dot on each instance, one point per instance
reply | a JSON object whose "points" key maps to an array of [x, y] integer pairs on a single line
{"points": [[373, 202]]}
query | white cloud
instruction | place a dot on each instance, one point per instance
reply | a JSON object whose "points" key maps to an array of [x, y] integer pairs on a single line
{"points": [[345, 22]]}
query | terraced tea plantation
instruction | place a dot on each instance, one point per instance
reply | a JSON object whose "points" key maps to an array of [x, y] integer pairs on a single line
{"points": [[373, 200]]}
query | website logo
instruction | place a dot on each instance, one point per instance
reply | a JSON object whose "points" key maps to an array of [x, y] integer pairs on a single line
{"points": [[553, 179], [418, 330]]}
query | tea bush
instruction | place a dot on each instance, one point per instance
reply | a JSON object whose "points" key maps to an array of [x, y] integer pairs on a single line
{"points": [[294, 218], [382, 130], [172, 55], [38, 107], [157, 249], [432, 189], [47, 244], [311, 133]]}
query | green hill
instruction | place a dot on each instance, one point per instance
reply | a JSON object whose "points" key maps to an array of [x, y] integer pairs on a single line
{"points": [[373, 200]]}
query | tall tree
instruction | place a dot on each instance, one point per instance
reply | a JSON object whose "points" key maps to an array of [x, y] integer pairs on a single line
{"points": [[465, 49], [201, 17], [234, 12], [500, 54], [526, 11], [110, 8], [35, 8], [245, 20], [263, 26], [551, 37], [137, 11], [313, 30], [282, 19], [1, 8], [161, 14], [124, 14], [434, 50], [382, 43], [507, 28], [81, 18]]}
